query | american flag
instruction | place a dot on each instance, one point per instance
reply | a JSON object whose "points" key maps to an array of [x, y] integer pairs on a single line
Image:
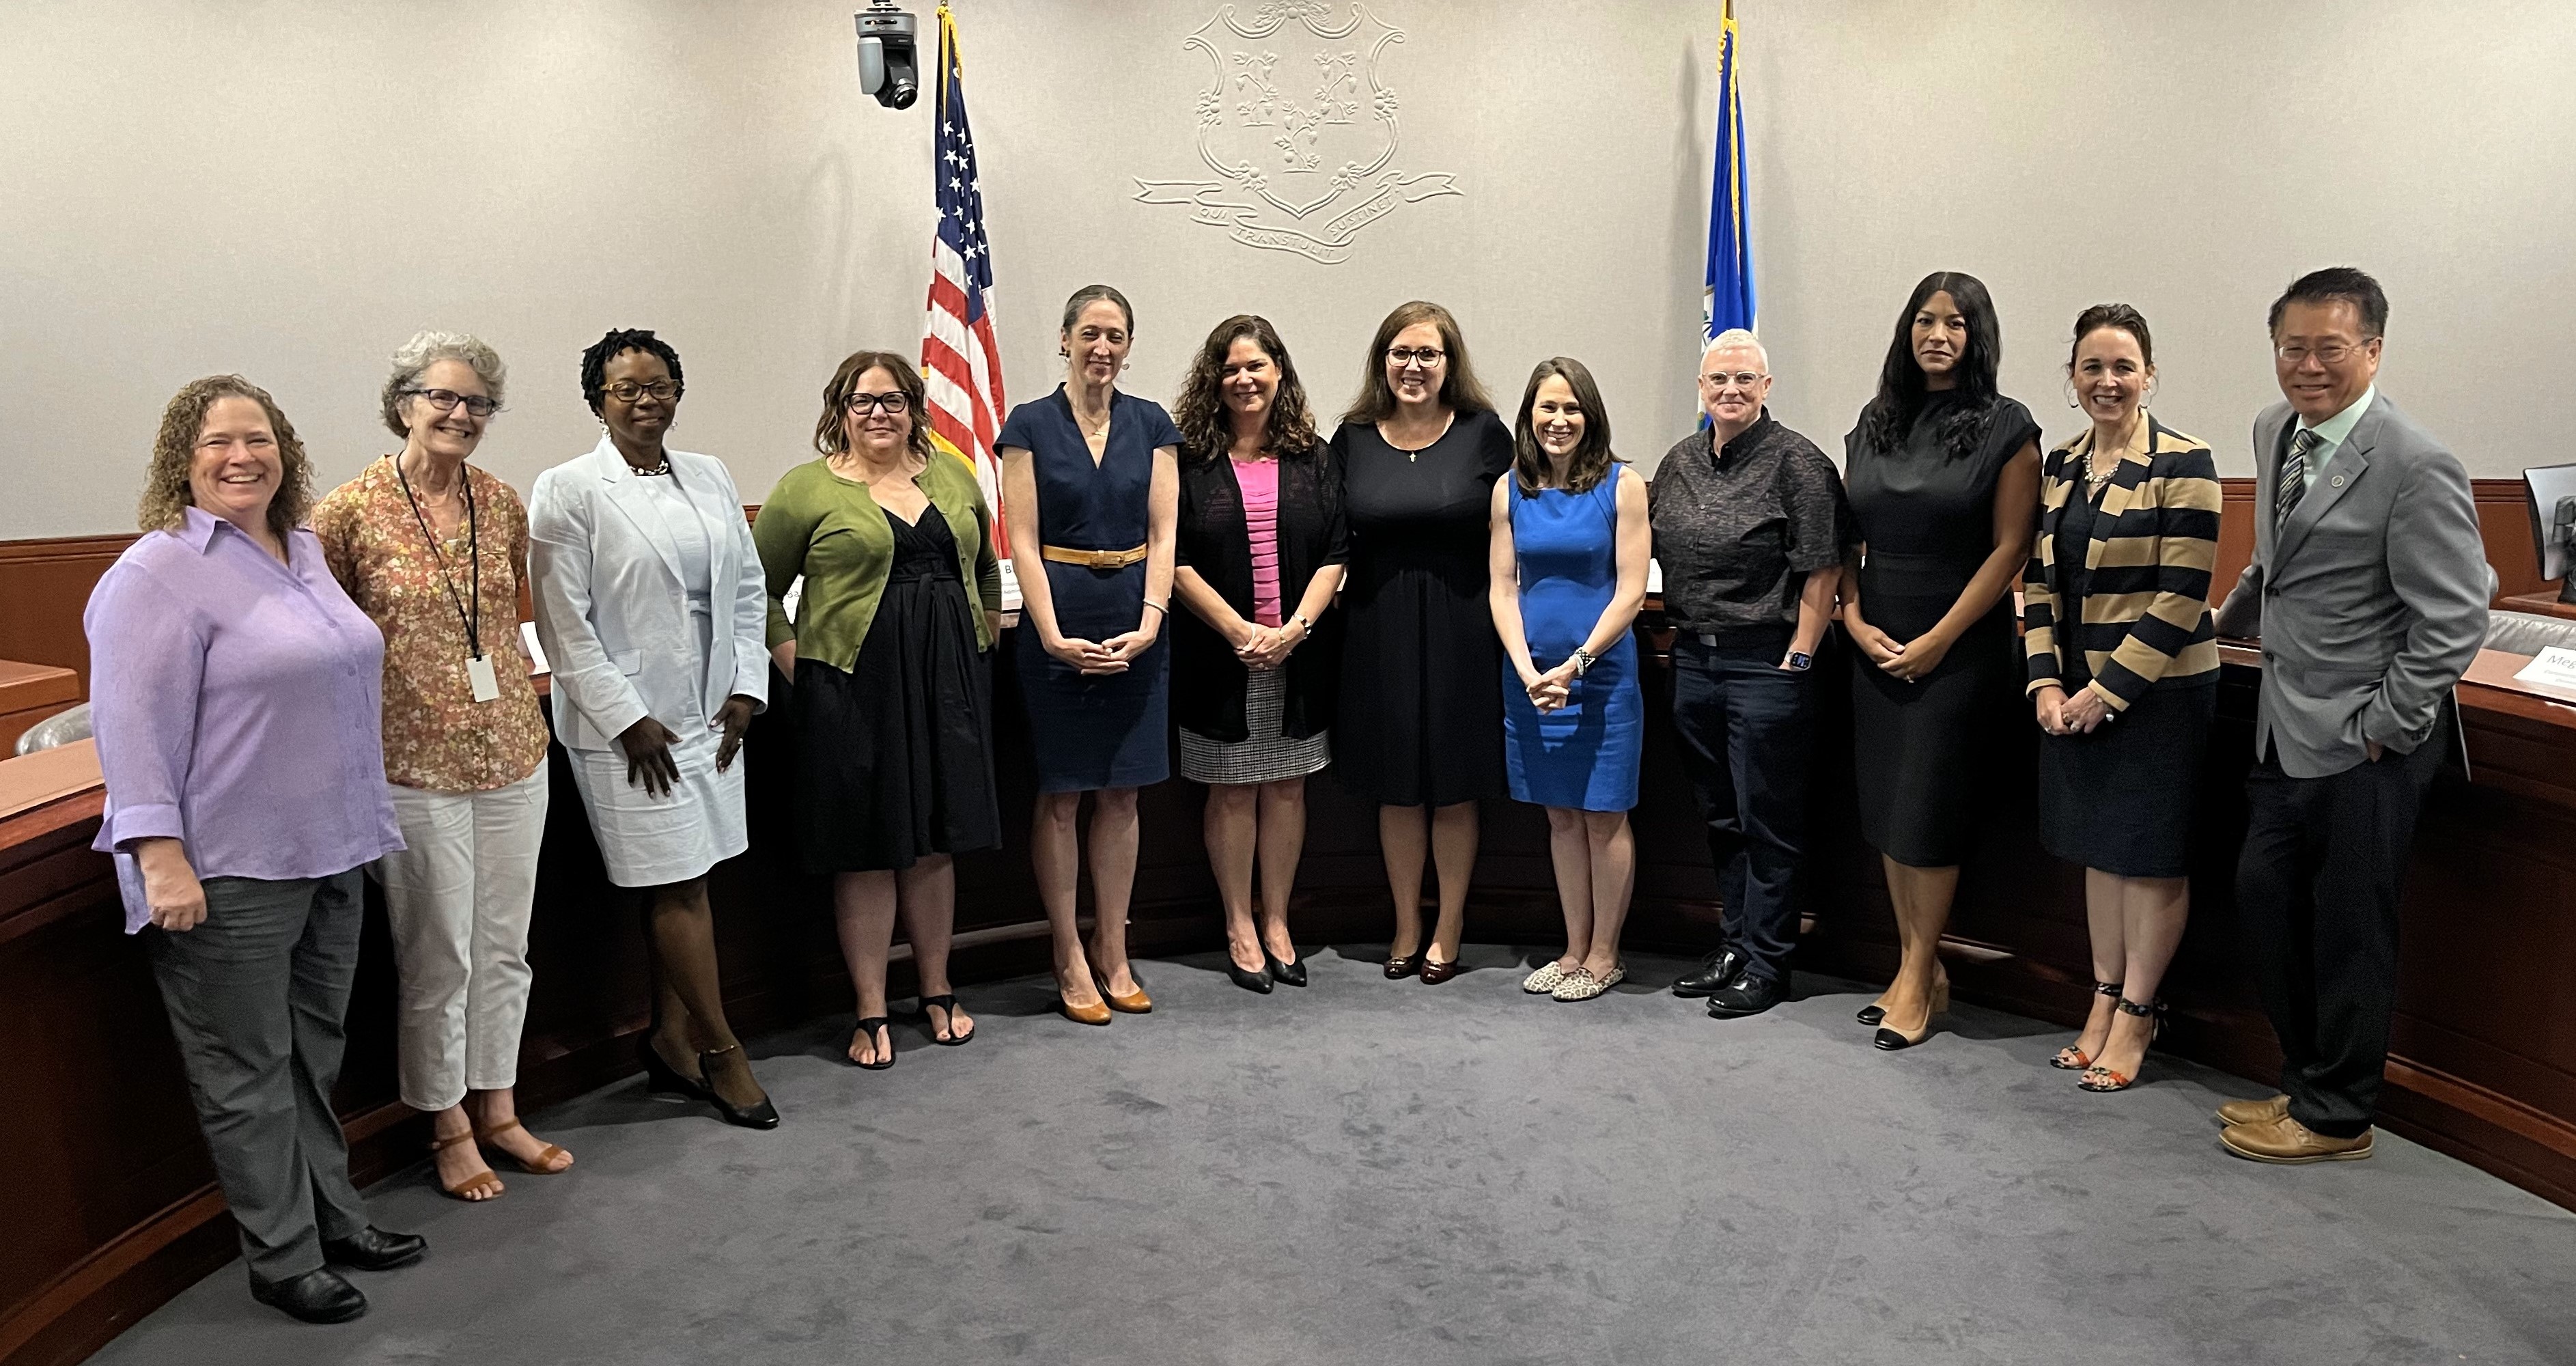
{"points": [[961, 366]]}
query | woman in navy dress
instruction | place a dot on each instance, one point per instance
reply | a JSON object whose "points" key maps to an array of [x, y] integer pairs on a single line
{"points": [[1091, 494], [1570, 545]]}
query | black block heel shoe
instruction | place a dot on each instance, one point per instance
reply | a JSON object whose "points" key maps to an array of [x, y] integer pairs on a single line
{"points": [[661, 1078]]}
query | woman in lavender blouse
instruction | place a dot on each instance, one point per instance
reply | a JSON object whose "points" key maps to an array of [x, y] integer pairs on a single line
{"points": [[234, 689]]}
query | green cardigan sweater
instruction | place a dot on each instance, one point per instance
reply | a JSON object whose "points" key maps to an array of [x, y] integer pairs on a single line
{"points": [[829, 530]]}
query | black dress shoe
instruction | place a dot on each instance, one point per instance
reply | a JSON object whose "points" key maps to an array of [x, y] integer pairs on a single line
{"points": [[373, 1249], [1746, 995], [1250, 981], [759, 1114], [1715, 971], [1286, 974], [318, 1296]]}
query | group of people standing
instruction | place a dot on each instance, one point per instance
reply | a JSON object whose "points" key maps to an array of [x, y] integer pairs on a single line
{"points": [[1437, 601]]}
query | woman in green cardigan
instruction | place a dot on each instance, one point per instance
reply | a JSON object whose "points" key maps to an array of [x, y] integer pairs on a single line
{"points": [[893, 699]]}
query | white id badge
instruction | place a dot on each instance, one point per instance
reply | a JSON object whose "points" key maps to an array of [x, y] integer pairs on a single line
{"points": [[478, 671]]}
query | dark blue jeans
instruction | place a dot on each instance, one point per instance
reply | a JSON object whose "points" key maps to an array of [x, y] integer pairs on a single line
{"points": [[1746, 727]]}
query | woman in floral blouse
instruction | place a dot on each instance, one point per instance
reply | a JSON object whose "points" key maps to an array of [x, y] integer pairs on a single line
{"points": [[433, 550]]}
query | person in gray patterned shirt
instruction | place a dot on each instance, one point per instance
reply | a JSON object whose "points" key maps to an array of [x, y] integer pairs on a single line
{"points": [[1751, 529]]}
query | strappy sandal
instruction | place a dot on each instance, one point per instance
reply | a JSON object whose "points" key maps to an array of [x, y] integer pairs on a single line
{"points": [[473, 1190], [2074, 1059], [881, 1038], [540, 1165], [2100, 1079], [947, 1003]]}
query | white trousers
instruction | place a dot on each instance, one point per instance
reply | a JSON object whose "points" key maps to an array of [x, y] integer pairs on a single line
{"points": [[459, 899]]}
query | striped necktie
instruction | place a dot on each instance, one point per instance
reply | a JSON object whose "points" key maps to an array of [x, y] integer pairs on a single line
{"points": [[2294, 475]]}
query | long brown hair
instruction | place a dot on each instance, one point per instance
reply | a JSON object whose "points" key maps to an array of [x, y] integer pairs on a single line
{"points": [[1207, 431], [166, 495], [1459, 390], [1592, 457], [832, 438]]}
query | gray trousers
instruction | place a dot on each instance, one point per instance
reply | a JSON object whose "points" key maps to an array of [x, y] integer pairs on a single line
{"points": [[256, 995]]}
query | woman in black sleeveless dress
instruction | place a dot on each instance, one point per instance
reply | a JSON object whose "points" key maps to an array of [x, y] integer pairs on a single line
{"points": [[1944, 481]]}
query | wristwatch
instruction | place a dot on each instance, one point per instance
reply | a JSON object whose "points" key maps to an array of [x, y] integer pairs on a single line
{"points": [[1799, 661], [1582, 661]]}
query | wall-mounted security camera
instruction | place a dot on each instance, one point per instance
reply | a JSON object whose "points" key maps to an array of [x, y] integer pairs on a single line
{"points": [[887, 66]]}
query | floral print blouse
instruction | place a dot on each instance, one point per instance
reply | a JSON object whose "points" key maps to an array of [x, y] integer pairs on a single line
{"points": [[437, 737]]}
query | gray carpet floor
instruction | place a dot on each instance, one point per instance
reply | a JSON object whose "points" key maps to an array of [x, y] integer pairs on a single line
{"points": [[1373, 1171]]}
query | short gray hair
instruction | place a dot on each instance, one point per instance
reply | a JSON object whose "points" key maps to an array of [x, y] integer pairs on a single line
{"points": [[426, 349], [1737, 336]]}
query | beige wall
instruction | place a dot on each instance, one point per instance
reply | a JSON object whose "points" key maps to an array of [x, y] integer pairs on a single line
{"points": [[289, 188]]}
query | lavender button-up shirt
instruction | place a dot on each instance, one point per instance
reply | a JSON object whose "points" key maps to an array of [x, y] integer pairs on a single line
{"points": [[235, 702]]}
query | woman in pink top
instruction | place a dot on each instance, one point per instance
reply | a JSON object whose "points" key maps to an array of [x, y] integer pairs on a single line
{"points": [[1260, 558]]}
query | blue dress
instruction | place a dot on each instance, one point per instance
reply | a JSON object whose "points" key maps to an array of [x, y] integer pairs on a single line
{"points": [[1583, 755], [1091, 733]]}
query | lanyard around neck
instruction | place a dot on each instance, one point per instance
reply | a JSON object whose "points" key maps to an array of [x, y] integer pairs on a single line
{"points": [[473, 553]]}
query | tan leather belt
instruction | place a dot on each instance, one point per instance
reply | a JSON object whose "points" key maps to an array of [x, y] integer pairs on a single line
{"points": [[1093, 559]]}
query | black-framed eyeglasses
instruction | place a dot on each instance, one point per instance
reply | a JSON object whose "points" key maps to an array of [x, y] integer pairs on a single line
{"points": [[894, 404], [445, 400], [1741, 379], [627, 390], [1424, 356]]}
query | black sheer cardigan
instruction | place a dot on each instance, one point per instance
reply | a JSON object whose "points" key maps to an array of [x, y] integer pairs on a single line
{"points": [[1208, 681]]}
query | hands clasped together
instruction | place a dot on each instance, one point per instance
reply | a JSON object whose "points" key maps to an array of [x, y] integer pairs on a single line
{"points": [[1550, 691], [1101, 658], [2080, 714]]}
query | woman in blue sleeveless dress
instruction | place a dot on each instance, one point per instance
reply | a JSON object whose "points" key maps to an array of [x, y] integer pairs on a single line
{"points": [[1091, 490], [1570, 543]]}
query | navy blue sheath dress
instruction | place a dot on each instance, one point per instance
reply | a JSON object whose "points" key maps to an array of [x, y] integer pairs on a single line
{"points": [[1092, 733]]}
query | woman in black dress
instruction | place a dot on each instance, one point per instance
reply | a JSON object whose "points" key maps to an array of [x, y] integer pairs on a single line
{"points": [[2116, 627], [893, 705], [1944, 481], [1421, 723]]}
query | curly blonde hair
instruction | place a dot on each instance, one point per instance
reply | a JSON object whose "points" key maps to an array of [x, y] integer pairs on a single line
{"points": [[166, 496]]}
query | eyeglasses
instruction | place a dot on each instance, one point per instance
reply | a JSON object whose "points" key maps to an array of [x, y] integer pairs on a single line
{"points": [[1741, 379], [445, 400], [627, 390], [2332, 353], [1427, 356], [892, 405]]}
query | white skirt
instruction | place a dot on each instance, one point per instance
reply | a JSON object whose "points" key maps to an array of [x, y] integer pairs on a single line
{"points": [[648, 841], [1264, 755]]}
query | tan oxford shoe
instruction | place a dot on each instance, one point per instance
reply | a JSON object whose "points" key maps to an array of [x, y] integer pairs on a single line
{"points": [[2254, 1111], [2288, 1142]]}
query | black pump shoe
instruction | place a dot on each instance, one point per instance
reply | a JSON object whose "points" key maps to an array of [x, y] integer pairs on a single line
{"points": [[318, 1296], [660, 1077], [373, 1249], [1286, 974], [1250, 981], [762, 1115]]}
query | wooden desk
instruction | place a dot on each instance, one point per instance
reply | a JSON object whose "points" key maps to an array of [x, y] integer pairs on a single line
{"points": [[29, 693], [115, 1194]]}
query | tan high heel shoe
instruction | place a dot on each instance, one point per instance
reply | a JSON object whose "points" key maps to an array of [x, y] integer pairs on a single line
{"points": [[1890, 1039], [474, 1190], [1133, 1003]]}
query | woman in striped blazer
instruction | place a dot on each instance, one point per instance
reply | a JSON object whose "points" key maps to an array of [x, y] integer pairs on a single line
{"points": [[2123, 674]]}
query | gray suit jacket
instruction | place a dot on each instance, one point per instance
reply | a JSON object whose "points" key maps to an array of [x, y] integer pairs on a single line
{"points": [[2371, 601]]}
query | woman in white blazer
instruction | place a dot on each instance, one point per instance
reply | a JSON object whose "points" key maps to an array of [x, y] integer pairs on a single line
{"points": [[653, 613]]}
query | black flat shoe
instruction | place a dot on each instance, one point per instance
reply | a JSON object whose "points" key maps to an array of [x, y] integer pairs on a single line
{"points": [[318, 1296], [660, 1077], [1286, 974], [1257, 982], [1714, 972], [1746, 995], [761, 1115], [373, 1249]]}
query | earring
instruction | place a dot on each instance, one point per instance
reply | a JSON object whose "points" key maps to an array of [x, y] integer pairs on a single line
{"points": [[2070, 395]]}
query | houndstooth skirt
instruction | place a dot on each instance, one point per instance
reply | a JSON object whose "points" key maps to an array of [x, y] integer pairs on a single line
{"points": [[1266, 756]]}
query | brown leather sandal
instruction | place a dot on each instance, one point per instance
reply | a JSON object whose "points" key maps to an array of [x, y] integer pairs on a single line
{"points": [[540, 1166], [473, 1190]]}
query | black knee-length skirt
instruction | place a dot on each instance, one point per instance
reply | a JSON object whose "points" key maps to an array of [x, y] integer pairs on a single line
{"points": [[2121, 798]]}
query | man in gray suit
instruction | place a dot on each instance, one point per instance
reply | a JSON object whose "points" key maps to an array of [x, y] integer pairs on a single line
{"points": [[2369, 589]]}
